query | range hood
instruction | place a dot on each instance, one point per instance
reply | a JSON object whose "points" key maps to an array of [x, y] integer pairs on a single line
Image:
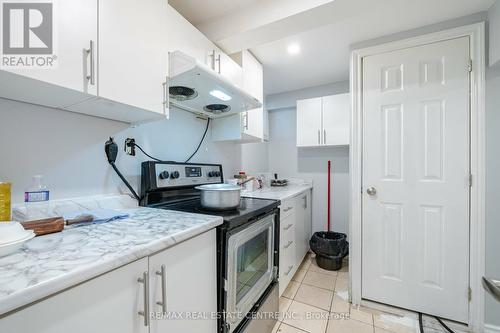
{"points": [[197, 88]]}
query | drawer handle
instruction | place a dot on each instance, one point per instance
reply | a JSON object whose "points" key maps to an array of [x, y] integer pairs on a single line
{"points": [[288, 244], [287, 209], [145, 281], [162, 273], [288, 226], [289, 270]]}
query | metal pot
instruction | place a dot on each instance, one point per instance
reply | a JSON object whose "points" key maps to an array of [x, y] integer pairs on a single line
{"points": [[220, 196]]}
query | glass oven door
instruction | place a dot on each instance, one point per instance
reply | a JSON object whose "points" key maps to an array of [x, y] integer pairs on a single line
{"points": [[250, 271]]}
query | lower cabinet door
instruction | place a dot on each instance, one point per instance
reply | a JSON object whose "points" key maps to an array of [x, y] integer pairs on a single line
{"points": [[184, 279], [109, 303]]}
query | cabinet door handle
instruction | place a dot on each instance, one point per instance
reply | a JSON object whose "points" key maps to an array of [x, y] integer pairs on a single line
{"points": [[288, 227], [166, 96], [218, 60], [145, 281], [288, 244], [324, 137], [287, 209], [245, 121], [163, 302], [319, 137], [289, 270], [213, 60], [90, 52], [305, 201]]}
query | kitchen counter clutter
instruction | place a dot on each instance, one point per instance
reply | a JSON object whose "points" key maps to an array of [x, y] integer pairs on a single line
{"points": [[52, 263], [280, 193]]}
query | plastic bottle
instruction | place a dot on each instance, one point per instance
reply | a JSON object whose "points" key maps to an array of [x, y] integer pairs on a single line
{"points": [[5, 197], [36, 195]]}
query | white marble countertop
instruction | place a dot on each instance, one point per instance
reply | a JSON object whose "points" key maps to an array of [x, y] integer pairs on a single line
{"points": [[51, 263], [279, 193]]}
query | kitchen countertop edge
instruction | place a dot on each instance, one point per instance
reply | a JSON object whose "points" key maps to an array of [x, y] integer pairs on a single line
{"points": [[39, 292]]}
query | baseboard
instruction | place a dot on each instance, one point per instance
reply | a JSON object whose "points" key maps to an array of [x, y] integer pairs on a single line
{"points": [[491, 328]]}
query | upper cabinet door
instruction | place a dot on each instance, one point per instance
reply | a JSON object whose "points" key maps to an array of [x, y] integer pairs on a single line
{"points": [[228, 68], [133, 52], [74, 28], [309, 126], [336, 120], [253, 83]]}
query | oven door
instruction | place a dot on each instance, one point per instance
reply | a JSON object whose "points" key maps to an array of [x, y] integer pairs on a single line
{"points": [[250, 268]]}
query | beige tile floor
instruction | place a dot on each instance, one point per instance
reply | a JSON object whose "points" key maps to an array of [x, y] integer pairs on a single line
{"points": [[316, 301]]}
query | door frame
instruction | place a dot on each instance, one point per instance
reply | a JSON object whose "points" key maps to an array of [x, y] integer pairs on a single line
{"points": [[476, 33]]}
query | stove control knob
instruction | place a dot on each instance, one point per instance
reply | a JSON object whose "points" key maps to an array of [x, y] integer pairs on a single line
{"points": [[211, 174], [216, 173], [164, 175], [174, 175]]}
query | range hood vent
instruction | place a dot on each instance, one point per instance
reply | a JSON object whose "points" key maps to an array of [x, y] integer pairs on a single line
{"points": [[196, 88]]}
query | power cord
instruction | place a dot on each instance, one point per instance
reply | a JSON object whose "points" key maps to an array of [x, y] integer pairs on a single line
{"points": [[421, 325], [201, 141], [111, 150], [190, 157]]}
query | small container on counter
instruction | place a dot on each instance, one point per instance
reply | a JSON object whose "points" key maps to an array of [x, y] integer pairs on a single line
{"points": [[5, 201], [36, 199]]}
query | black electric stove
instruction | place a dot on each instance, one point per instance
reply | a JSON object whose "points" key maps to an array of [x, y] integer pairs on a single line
{"points": [[251, 231], [248, 209]]}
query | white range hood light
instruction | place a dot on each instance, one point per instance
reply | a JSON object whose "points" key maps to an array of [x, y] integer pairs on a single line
{"points": [[220, 95], [196, 88]]}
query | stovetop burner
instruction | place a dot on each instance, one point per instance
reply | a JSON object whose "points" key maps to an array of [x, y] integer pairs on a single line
{"points": [[249, 208]]}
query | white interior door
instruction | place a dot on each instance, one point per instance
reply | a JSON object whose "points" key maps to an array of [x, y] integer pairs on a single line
{"points": [[416, 156]]}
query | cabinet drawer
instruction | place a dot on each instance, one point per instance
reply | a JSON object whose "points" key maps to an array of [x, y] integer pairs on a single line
{"points": [[287, 259], [286, 224], [286, 209]]}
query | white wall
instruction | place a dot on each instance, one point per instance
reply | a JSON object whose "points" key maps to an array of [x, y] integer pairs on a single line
{"points": [[254, 158], [494, 31], [68, 148], [289, 99], [311, 163]]}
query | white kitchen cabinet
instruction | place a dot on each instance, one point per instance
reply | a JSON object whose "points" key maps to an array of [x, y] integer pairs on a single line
{"points": [[247, 126], [184, 37], [133, 52], [323, 121], [132, 62], [309, 122], [189, 284], [303, 224], [75, 23], [109, 303], [336, 120], [295, 232]]}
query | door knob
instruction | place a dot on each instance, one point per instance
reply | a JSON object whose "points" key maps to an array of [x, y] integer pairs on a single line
{"points": [[371, 190]]}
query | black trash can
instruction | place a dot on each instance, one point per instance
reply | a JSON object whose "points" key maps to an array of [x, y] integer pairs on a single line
{"points": [[330, 249]]}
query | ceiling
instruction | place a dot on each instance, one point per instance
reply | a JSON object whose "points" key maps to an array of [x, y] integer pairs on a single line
{"points": [[324, 29]]}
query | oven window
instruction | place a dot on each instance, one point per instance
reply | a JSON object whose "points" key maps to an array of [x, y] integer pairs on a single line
{"points": [[252, 263]]}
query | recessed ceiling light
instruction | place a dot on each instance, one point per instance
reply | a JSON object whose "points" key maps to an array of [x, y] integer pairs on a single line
{"points": [[220, 95], [293, 49]]}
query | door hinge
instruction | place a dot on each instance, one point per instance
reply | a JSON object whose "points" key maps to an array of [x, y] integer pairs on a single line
{"points": [[470, 180], [469, 296], [470, 66]]}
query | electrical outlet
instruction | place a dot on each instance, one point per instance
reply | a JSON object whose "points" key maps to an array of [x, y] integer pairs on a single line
{"points": [[130, 146]]}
